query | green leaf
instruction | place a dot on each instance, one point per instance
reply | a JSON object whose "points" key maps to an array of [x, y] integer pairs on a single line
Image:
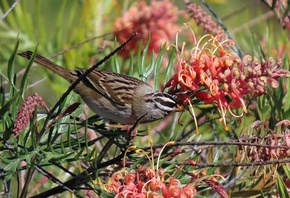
{"points": [[287, 170], [143, 58], [91, 154], [287, 10], [169, 65], [115, 64], [281, 187], [131, 66], [138, 61], [158, 65], [10, 71], [6, 107], [25, 76], [2, 94], [13, 165]]}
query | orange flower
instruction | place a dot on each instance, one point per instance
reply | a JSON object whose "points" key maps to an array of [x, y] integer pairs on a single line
{"points": [[223, 78]]}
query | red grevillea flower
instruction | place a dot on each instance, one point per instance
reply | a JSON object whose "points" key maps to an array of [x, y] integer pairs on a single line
{"points": [[151, 182], [216, 76], [25, 113], [140, 185], [157, 20]]}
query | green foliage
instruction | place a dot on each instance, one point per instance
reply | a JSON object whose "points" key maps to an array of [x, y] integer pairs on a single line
{"points": [[64, 141], [282, 189]]}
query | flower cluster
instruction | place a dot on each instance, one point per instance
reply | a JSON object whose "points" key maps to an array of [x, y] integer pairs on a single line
{"points": [[204, 20], [25, 113], [157, 20], [279, 144], [146, 181], [223, 78]]}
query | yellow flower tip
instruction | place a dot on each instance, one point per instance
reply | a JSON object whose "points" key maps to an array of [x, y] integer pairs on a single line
{"points": [[193, 163], [132, 147], [171, 142], [232, 42], [138, 151], [183, 43], [226, 127], [185, 24], [151, 142], [224, 179], [203, 172]]}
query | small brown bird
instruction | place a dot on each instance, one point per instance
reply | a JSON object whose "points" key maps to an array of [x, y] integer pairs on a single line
{"points": [[115, 97]]}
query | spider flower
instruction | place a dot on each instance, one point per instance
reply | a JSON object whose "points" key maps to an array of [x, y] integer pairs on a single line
{"points": [[157, 20], [151, 182], [213, 75]]}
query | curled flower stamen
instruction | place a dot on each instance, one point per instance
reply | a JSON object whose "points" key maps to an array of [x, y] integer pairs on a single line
{"points": [[221, 44], [223, 113], [158, 159], [191, 111], [129, 148], [235, 115], [199, 42]]}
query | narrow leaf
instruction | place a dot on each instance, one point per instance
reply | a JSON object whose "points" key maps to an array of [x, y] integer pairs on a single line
{"points": [[10, 70], [281, 187], [25, 76]]}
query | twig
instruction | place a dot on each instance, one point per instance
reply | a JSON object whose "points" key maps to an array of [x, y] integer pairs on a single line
{"points": [[218, 143], [254, 21], [9, 10], [232, 182], [55, 180], [206, 165], [79, 179]]}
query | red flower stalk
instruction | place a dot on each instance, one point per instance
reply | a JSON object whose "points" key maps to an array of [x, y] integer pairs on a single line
{"points": [[204, 20], [217, 187], [25, 112], [280, 9], [157, 20], [223, 78]]}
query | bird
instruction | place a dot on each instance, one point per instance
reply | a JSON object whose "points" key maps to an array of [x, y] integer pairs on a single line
{"points": [[117, 98]]}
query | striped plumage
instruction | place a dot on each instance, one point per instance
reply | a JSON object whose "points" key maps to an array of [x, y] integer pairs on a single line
{"points": [[115, 97]]}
